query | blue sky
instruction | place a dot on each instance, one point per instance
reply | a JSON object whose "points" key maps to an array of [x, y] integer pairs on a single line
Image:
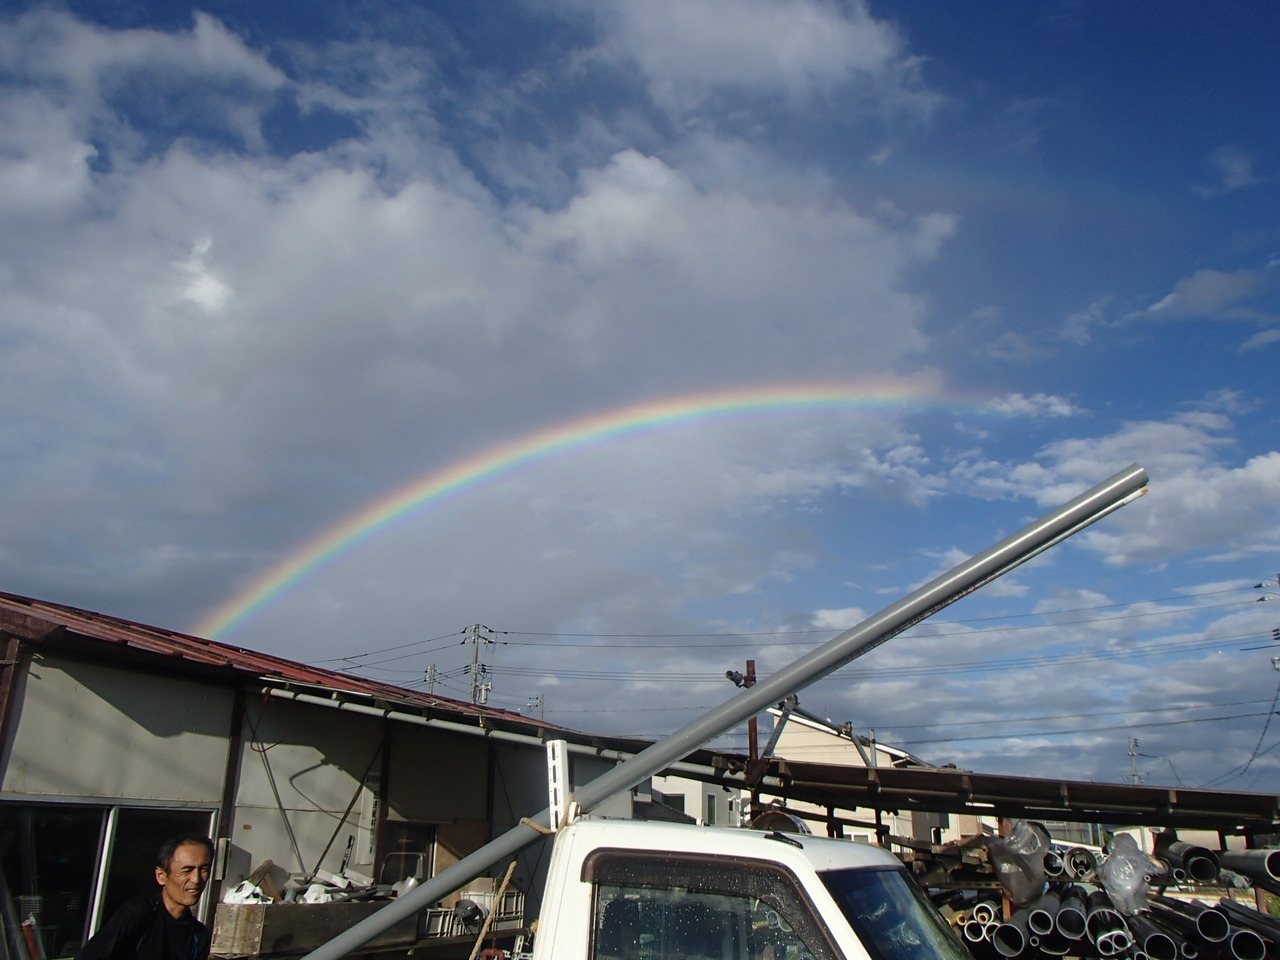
{"points": [[264, 264]]}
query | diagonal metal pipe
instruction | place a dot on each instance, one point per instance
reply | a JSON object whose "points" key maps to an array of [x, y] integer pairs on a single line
{"points": [[1030, 541]]}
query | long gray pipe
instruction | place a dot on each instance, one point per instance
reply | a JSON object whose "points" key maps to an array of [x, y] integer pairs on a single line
{"points": [[1070, 518]]}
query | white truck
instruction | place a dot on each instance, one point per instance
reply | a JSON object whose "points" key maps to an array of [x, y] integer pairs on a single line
{"points": [[652, 892], [631, 890]]}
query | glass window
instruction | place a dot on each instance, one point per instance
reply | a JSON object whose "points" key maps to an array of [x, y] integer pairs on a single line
{"points": [[409, 849], [49, 856], [669, 906], [892, 916]]}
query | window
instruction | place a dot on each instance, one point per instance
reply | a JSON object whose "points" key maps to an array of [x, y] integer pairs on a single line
{"points": [[674, 800], [710, 818], [50, 856], [891, 915], [409, 849], [671, 906]]}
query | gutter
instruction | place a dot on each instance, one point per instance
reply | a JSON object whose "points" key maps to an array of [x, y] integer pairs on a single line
{"points": [[692, 770]]}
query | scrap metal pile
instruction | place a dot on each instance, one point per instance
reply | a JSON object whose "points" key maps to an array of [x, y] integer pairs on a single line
{"points": [[1075, 902]]}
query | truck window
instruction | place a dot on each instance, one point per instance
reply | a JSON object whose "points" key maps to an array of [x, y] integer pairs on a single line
{"points": [[672, 906], [892, 916]]}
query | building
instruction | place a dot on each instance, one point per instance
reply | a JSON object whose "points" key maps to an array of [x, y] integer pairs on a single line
{"points": [[115, 735], [708, 804], [810, 739]]}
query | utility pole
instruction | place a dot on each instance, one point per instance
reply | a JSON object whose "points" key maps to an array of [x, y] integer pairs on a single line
{"points": [[479, 690], [537, 701], [1133, 760], [431, 679], [754, 765]]}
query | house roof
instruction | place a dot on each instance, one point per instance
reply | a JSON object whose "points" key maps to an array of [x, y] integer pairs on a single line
{"points": [[42, 622], [814, 722]]}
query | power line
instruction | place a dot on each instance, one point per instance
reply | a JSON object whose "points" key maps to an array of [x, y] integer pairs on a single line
{"points": [[904, 672], [402, 646], [831, 632], [886, 725], [986, 665], [1064, 733], [1175, 708], [1254, 755], [422, 644], [825, 631]]}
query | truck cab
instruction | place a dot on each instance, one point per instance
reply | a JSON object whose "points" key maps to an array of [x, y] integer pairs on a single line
{"points": [[631, 890]]}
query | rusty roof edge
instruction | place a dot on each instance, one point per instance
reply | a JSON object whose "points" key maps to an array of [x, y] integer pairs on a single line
{"points": [[25, 616]]}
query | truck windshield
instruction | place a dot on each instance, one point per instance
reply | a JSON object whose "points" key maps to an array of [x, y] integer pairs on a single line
{"points": [[892, 917]]}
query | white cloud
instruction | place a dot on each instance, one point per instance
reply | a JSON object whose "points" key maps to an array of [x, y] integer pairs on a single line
{"points": [[838, 620], [1198, 500], [1201, 509], [1234, 170], [1211, 293], [689, 51], [44, 164], [1036, 405], [210, 329], [48, 44], [91, 75], [1079, 326], [1263, 338]]}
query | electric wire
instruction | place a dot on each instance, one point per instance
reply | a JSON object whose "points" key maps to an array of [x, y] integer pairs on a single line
{"points": [[781, 643], [349, 658], [882, 673], [1229, 776]]}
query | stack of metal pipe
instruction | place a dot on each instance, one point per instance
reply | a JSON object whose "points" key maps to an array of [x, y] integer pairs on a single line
{"points": [[1079, 919]]}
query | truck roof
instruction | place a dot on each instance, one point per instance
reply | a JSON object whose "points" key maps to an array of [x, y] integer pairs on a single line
{"points": [[820, 853]]}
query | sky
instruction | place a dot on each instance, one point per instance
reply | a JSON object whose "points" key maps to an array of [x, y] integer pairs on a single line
{"points": [[658, 336]]}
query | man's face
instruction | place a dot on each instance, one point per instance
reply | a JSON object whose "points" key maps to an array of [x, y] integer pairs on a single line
{"points": [[186, 877]]}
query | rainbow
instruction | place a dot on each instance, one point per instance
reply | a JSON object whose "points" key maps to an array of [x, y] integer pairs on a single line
{"points": [[470, 472]]}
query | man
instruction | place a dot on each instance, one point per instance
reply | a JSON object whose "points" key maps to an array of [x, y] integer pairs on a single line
{"points": [[161, 926]]}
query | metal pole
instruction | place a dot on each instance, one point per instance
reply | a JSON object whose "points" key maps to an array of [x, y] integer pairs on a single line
{"points": [[474, 640], [1028, 542]]}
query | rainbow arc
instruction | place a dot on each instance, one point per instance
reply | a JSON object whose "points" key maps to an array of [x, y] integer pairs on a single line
{"points": [[471, 472]]}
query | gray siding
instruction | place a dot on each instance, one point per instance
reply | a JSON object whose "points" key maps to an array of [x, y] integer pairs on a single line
{"points": [[84, 730]]}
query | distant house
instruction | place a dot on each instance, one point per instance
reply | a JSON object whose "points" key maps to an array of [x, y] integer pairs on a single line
{"points": [[807, 738], [115, 735], [811, 739]]}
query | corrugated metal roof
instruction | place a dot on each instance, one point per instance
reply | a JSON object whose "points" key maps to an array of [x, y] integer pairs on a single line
{"points": [[39, 620], [950, 790]]}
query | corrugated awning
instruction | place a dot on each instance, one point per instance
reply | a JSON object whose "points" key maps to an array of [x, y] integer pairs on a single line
{"points": [[949, 790]]}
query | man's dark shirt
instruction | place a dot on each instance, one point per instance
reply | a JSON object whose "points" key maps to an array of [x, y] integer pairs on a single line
{"points": [[142, 929]]}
